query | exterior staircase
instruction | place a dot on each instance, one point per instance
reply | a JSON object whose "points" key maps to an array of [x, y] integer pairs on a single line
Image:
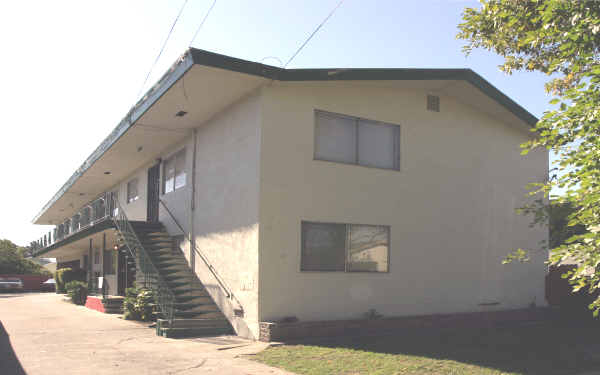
{"points": [[194, 313]]}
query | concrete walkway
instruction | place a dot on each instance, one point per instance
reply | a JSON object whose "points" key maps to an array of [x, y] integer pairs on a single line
{"points": [[41, 334]]}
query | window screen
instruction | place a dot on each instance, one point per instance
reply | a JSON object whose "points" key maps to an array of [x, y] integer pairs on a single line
{"points": [[180, 169], [132, 190], [169, 176], [174, 176], [377, 145], [335, 138], [346, 139], [344, 247]]}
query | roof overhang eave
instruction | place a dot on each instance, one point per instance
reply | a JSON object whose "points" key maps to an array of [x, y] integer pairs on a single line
{"points": [[177, 70], [194, 56]]}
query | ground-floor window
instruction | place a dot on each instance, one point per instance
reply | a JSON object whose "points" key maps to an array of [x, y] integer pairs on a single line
{"points": [[345, 247]]}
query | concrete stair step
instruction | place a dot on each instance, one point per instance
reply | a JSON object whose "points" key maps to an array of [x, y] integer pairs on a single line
{"points": [[192, 304], [175, 284], [157, 245], [175, 266], [162, 257], [198, 308], [113, 310], [189, 298], [190, 323], [172, 263], [192, 291], [172, 271], [198, 315], [195, 312], [193, 332]]}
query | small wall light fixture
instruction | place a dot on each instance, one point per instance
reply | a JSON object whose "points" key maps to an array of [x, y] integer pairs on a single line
{"points": [[181, 114]]}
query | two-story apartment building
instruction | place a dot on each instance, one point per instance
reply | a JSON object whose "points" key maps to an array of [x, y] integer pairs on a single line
{"points": [[245, 193]]}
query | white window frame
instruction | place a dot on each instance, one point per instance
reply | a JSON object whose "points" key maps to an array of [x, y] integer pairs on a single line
{"points": [[180, 154], [131, 199], [346, 246], [357, 121]]}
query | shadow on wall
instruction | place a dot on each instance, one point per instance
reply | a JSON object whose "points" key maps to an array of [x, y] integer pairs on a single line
{"points": [[9, 363]]}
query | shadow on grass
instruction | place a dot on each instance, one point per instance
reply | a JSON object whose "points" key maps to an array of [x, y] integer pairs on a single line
{"points": [[553, 347], [9, 363]]}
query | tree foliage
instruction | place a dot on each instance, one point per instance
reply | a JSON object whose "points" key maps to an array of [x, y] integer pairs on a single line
{"points": [[13, 262], [562, 40]]}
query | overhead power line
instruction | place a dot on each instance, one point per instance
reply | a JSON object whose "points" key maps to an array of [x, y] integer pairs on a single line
{"points": [[202, 23], [162, 48], [313, 33]]}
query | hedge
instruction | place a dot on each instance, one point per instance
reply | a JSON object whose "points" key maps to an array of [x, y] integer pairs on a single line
{"points": [[66, 275], [77, 290]]}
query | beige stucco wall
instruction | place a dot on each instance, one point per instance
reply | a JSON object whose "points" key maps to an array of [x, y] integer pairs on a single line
{"points": [[135, 210], [226, 207], [451, 207], [226, 213]]}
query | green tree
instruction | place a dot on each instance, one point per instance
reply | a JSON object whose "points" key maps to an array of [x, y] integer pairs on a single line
{"points": [[562, 40], [13, 262], [560, 230]]}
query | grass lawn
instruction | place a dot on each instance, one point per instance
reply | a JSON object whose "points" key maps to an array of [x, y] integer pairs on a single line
{"points": [[548, 349]]}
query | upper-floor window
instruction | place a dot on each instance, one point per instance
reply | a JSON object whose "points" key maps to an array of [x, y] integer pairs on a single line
{"points": [[132, 190], [353, 140], [174, 176]]}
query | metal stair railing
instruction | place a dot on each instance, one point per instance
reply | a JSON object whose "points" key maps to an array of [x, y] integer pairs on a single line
{"points": [[237, 309], [152, 278]]}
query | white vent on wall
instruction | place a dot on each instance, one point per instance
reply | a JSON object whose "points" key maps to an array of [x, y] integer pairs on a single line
{"points": [[433, 103]]}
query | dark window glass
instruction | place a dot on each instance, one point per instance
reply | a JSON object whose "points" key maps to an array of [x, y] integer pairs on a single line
{"points": [[323, 247]]}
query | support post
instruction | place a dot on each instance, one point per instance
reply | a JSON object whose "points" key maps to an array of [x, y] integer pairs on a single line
{"points": [[89, 265], [104, 285], [192, 234]]}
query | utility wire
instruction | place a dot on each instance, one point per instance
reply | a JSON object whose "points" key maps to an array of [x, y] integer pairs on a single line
{"points": [[202, 23], [313, 33], [162, 48]]}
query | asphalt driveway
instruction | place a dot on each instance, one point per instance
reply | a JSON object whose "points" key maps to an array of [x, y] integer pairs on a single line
{"points": [[41, 334]]}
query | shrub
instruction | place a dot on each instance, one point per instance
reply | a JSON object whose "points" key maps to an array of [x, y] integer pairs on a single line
{"points": [[129, 312], [66, 275], [77, 290], [60, 285], [139, 304]]}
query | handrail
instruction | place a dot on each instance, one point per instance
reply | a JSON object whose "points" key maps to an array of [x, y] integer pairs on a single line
{"points": [[227, 291], [152, 278]]}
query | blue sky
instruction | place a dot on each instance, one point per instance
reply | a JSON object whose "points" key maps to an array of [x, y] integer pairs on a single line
{"points": [[74, 68]]}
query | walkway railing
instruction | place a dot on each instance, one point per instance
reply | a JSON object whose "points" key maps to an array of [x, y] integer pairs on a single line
{"points": [[87, 216], [151, 278]]}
